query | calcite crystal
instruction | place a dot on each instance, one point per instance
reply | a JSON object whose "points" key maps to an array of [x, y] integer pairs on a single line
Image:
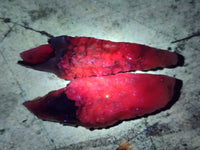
{"points": [[72, 57], [101, 92], [95, 102]]}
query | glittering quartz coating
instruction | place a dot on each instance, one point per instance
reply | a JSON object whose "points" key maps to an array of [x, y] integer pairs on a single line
{"points": [[73, 57], [95, 102]]}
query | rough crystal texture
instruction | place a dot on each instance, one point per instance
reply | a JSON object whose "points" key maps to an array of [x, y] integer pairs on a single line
{"points": [[74, 57], [102, 101], [90, 56], [99, 94]]}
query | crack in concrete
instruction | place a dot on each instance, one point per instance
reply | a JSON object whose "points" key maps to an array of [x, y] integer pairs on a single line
{"points": [[188, 37], [152, 141], [22, 93], [6, 34], [8, 20], [38, 31]]}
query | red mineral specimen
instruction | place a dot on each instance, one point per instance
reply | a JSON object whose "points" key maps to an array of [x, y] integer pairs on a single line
{"points": [[36, 55], [75, 57], [95, 102], [101, 101]]}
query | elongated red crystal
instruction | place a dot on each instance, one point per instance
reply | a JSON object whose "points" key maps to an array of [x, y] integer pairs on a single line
{"points": [[75, 57], [37, 55], [100, 93], [102, 101], [90, 56]]}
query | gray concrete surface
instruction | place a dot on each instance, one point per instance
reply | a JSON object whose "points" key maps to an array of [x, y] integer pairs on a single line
{"points": [[156, 23]]}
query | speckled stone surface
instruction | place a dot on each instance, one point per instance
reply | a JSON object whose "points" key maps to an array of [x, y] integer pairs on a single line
{"points": [[170, 24]]}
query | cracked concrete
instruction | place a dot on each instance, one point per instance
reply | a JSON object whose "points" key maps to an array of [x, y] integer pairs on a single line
{"points": [[171, 24]]}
